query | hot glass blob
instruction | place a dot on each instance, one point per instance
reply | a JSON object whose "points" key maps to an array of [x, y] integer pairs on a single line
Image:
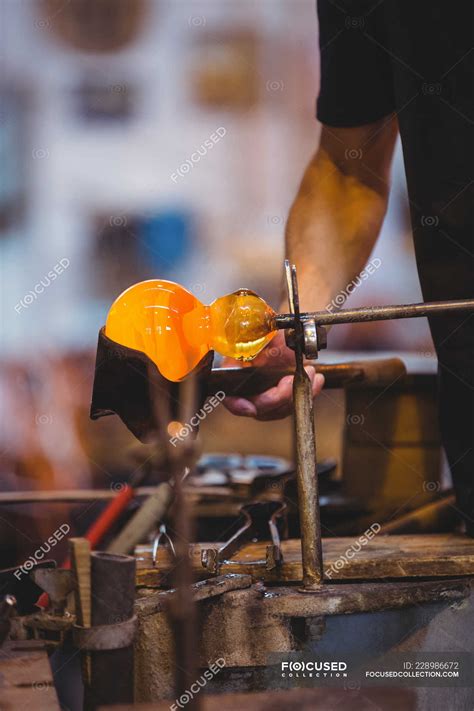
{"points": [[175, 330]]}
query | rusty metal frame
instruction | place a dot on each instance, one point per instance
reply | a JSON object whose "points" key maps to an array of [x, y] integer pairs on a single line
{"points": [[305, 440]]}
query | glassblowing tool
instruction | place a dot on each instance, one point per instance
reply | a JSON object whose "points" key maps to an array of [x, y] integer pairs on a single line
{"points": [[260, 522]]}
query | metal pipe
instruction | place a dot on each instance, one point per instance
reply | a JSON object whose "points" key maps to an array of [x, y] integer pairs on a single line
{"points": [[113, 598], [378, 313]]}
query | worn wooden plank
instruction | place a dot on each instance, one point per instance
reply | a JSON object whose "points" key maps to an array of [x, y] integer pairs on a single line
{"points": [[349, 598], [25, 664], [39, 698], [26, 680], [345, 558]]}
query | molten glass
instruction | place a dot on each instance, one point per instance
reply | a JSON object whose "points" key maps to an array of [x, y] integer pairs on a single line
{"points": [[175, 330]]}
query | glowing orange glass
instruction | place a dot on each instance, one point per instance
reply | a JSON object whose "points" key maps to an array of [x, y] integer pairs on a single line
{"points": [[175, 330]]}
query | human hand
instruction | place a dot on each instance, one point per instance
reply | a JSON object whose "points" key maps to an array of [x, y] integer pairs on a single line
{"points": [[277, 402]]}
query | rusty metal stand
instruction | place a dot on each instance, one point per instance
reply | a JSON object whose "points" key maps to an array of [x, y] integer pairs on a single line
{"points": [[181, 607], [306, 467], [307, 335]]}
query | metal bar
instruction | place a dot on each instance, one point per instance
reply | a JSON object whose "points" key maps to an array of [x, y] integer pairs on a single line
{"points": [[307, 482], [181, 609], [378, 313], [152, 510], [305, 440], [289, 286], [67, 495]]}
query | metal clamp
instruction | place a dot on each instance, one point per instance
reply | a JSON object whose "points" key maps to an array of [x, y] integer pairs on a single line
{"points": [[162, 534], [103, 637], [314, 338]]}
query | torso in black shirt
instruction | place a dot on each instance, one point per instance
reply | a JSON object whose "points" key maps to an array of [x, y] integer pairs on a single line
{"points": [[414, 58]]}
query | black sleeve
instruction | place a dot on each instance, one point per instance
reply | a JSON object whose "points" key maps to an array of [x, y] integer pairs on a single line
{"points": [[356, 77]]}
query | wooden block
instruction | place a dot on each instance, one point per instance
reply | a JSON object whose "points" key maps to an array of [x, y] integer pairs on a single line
{"points": [[80, 552], [401, 415], [385, 478]]}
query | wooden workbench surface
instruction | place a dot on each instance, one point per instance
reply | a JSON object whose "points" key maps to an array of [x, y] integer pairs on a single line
{"points": [[26, 681], [382, 557]]}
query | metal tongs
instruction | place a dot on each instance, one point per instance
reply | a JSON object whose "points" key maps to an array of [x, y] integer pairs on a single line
{"points": [[260, 523]]}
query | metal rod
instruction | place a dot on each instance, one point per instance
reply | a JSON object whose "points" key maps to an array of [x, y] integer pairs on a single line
{"points": [[306, 468], [143, 521], [378, 313], [182, 606], [307, 482]]}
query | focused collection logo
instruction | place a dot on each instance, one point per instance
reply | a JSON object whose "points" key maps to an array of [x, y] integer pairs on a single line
{"points": [[314, 669]]}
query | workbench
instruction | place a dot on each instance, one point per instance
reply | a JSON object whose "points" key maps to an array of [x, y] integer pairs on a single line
{"points": [[26, 680]]}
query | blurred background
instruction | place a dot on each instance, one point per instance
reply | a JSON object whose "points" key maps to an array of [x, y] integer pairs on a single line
{"points": [[143, 139]]}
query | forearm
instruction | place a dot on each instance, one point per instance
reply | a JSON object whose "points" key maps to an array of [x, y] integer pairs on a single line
{"points": [[335, 221]]}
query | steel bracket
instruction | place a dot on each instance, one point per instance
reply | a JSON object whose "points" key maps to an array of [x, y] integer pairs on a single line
{"points": [[104, 637]]}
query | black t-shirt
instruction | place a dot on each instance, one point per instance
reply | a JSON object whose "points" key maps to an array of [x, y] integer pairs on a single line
{"points": [[414, 58]]}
